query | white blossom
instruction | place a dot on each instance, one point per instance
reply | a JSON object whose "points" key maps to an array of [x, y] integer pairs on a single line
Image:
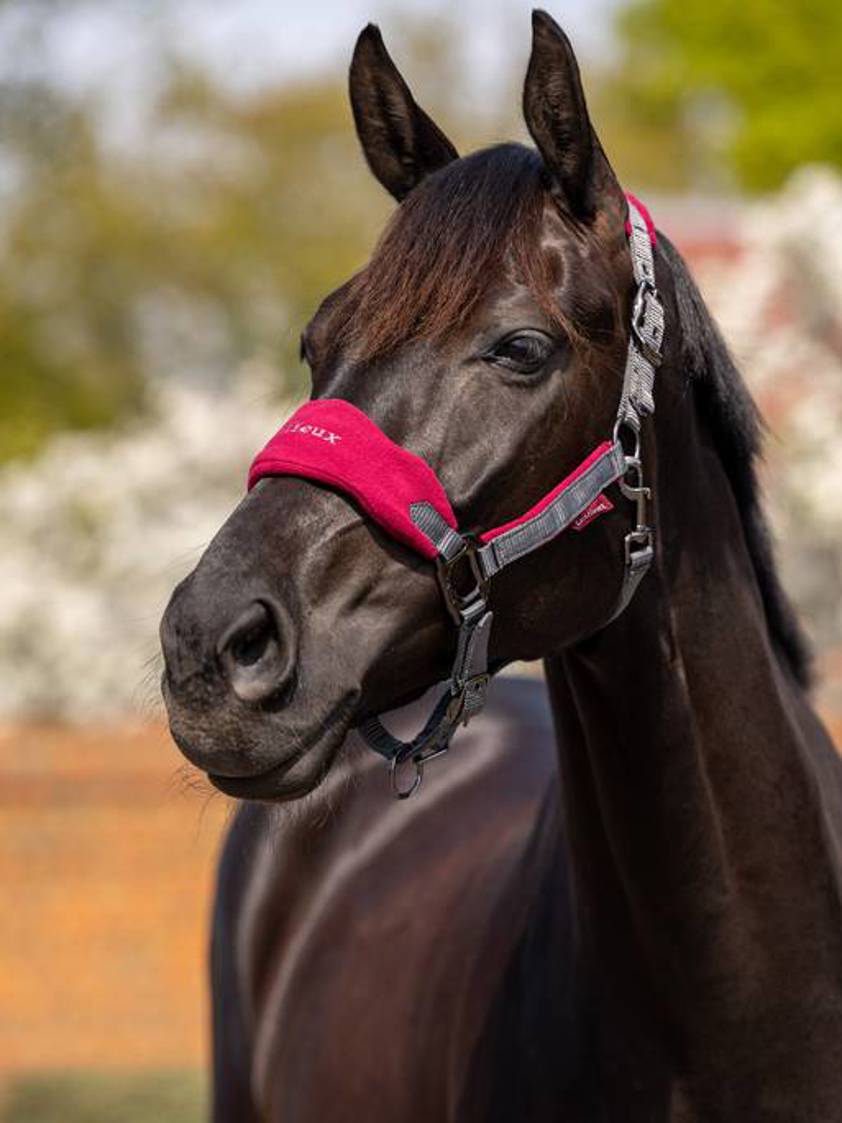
{"points": [[96, 532]]}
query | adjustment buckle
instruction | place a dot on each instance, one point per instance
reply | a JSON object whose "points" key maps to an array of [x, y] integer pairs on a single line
{"points": [[469, 699], [461, 580], [645, 295]]}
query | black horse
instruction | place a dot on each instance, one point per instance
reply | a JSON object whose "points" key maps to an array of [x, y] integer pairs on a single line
{"points": [[702, 798], [383, 961]]}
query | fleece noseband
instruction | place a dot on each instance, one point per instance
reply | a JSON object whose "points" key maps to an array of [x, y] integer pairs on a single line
{"points": [[334, 443]]}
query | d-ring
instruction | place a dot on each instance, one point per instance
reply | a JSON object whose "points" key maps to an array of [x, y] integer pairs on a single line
{"points": [[405, 793]]}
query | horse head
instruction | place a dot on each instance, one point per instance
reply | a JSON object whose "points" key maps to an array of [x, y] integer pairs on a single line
{"points": [[488, 336]]}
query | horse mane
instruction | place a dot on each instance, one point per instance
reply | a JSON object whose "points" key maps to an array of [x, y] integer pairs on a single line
{"points": [[726, 406]]}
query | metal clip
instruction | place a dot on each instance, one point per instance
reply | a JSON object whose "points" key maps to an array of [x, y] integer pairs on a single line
{"points": [[405, 793], [641, 536], [636, 491]]}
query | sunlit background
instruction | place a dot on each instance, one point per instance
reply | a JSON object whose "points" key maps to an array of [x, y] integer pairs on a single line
{"points": [[179, 184]]}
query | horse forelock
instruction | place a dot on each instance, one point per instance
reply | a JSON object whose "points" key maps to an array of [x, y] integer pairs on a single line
{"points": [[457, 233]]}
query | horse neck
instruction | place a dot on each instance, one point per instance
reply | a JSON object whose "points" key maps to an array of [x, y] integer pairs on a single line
{"points": [[703, 805]]}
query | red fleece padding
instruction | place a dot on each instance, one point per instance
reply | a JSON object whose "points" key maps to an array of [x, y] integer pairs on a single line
{"points": [[335, 443], [551, 495], [647, 218]]}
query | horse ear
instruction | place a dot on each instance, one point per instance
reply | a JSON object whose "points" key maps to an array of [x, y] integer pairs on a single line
{"points": [[557, 118], [401, 143]]}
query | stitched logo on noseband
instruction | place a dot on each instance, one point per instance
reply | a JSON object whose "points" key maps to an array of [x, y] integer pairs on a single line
{"points": [[599, 507], [312, 431]]}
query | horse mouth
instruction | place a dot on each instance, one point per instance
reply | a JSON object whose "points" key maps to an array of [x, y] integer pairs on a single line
{"points": [[263, 785], [300, 772]]}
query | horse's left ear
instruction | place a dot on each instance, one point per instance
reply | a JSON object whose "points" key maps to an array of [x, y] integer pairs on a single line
{"points": [[401, 143], [557, 118]]}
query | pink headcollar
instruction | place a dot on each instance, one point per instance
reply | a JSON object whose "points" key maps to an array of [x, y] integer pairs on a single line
{"points": [[333, 442]]}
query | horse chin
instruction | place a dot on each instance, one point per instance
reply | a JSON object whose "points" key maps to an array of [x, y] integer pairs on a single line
{"points": [[289, 772], [291, 779]]}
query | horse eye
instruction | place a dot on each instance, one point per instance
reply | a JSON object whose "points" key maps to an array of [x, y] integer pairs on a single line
{"points": [[525, 352]]}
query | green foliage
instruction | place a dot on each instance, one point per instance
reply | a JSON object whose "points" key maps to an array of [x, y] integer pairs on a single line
{"points": [[208, 242], [169, 1097], [754, 85]]}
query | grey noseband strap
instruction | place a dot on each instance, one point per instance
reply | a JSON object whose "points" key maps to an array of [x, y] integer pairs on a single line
{"points": [[527, 536]]}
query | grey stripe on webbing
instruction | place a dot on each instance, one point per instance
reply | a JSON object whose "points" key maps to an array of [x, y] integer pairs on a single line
{"points": [[447, 541], [555, 517]]}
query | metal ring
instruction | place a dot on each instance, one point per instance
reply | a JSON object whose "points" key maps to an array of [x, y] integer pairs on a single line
{"points": [[624, 423], [405, 793]]}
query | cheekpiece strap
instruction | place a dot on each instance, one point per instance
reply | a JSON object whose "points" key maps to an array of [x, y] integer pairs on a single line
{"points": [[647, 322]]}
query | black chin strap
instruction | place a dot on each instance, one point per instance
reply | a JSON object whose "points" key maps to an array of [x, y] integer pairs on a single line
{"points": [[466, 568], [469, 677]]}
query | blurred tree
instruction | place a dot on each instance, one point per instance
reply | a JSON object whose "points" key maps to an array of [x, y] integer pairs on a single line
{"points": [[206, 236], [207, 243], [753, 89]]}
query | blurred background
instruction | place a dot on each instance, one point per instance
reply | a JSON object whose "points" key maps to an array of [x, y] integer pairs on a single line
{"points": [[179, 184]]}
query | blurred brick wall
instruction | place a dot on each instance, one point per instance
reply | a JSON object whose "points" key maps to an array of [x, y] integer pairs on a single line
{"points": [[106, 867]]}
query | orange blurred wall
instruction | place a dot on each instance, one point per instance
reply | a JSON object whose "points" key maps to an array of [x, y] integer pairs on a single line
{"points": [[106, 868]]}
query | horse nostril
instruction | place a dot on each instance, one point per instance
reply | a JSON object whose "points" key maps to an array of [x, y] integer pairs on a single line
{"points": [[256, 661], [251, 636]]}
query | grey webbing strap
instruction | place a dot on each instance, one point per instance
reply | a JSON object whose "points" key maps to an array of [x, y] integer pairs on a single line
{"points": [[647, 328], [447, 541], [556, 516]]}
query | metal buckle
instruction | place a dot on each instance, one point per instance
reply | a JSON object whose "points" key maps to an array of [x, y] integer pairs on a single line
{"points": [[472, 687], [646, 291], [626, 424], [456, 600]]}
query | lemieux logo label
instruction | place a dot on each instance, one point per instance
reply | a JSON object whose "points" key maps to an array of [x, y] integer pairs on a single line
{"points": [[312, 431], [600, 506]]}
